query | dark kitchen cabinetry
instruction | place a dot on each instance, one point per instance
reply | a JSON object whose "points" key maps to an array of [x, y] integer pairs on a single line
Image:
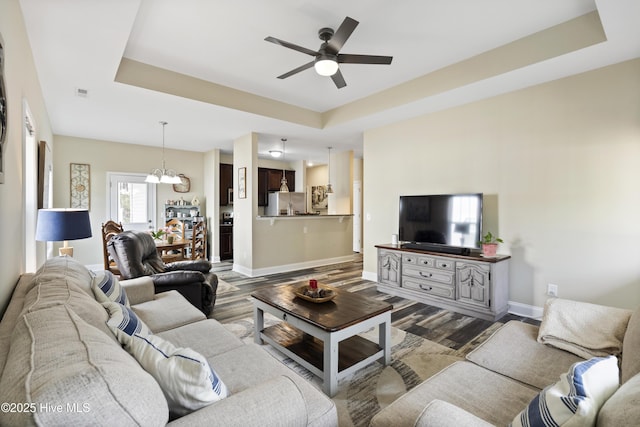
{"points": [[226, 242], [269, 180], [226, 184]]}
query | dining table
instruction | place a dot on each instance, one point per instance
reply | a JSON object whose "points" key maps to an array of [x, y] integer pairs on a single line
{"points": [[165, 249]]}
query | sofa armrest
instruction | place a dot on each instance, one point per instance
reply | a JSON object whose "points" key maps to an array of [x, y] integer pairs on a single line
{"points": [[277, 402], [201, 265], [178, 278], [139, 290], [443, 414]]}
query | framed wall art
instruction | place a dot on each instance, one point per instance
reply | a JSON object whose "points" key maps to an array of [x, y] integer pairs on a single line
{"points": [[80, 186], [3, 113], [242, 183], [319, 197]]}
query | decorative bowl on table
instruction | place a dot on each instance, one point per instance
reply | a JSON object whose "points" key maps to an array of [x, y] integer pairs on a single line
{"points": [[320, 294]]}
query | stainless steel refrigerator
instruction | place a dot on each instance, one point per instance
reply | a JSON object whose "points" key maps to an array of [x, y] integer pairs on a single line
{"points": [[286, 203]]}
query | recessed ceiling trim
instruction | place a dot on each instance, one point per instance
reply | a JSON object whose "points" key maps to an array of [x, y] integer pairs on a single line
{"points": [[561, 39], [146, 76]]}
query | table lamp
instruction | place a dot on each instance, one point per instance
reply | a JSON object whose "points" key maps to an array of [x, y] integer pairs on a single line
{"points": [[55, 225]]}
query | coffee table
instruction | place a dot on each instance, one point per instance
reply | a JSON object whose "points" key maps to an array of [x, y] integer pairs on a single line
{"points": [[323, 337]]}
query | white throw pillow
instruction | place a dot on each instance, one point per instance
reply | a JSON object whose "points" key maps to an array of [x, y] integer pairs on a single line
{"points": [[106, 287], [576, 398], [185, 377]]}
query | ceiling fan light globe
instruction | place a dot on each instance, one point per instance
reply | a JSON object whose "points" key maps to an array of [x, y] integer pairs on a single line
{"points": [[326, 67]]}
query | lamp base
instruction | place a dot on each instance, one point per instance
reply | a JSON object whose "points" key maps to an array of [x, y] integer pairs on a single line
{"points": [[66, 250]]}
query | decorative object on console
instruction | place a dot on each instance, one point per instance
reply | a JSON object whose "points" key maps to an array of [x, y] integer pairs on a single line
{"points": [[163, 175], [490, 244], [80, 185], [55, 225]]}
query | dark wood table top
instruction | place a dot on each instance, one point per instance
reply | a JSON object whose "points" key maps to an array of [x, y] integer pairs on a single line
{"points": [[345, 310]]}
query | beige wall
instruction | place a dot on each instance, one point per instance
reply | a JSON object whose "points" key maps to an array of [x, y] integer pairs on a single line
{"points": [[106, 156], [560, 160], [21, 84]]}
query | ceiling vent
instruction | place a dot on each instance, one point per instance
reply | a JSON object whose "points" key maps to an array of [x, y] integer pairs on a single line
{"points": [[83, 93]]}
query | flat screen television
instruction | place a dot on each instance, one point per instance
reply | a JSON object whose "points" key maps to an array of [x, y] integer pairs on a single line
{"points": [[449, 223]]}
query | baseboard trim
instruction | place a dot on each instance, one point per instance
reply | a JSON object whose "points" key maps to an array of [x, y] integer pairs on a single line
{"points": [[517, 308], [367, 275], [525, 310], [291, 267]]}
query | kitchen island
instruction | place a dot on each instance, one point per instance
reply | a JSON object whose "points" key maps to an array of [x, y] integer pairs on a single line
{"points": [[293, 242]]}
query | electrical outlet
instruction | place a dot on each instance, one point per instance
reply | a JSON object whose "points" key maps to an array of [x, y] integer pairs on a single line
{"points": [[552, 290]]}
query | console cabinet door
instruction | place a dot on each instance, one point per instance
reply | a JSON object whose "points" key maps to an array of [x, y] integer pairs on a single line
{"points": [[389, 270], [473, 283]]}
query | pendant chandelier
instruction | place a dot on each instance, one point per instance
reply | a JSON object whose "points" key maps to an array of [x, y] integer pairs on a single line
{"points": [[284, 188], [163, 176], [329, 189]]}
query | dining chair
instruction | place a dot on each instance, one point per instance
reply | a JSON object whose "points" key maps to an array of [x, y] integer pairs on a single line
{"points": [[199, 241], [176, 227], [110, 229]]}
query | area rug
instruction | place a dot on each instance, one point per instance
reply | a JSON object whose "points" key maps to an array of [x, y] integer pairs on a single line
{"points": [[224, 287], [368, 390]]}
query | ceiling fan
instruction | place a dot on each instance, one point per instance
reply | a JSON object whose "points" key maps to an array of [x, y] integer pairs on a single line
{"points": [[327, 58]]}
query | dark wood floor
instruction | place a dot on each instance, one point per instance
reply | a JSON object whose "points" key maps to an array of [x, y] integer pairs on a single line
{"points": [[451, 329]]}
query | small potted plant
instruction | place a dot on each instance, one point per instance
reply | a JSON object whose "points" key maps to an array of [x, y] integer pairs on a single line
{"points": [[490, 244]]}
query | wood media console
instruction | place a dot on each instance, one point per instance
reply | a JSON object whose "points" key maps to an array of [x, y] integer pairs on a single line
{"points": [[471, 285]]}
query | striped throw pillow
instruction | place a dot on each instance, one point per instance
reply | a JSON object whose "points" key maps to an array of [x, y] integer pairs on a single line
{"points": [[106, 287], [185, 376], [576, 398]]}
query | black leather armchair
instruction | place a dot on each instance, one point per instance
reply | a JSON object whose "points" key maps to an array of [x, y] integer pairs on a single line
{"points": [[135, 255]]}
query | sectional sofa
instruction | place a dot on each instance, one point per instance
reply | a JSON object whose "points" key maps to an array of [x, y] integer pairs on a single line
{"points": [[580, 367], [62, 364]]}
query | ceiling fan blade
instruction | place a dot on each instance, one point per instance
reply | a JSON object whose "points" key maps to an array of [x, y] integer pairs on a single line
{"points": [[338, 79], [364, 59], [296, 70], [341, 35], [291, 46]]}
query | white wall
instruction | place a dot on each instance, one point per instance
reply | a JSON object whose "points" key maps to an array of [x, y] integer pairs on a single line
{"points": [[21, 84], [107, 156], [559, 162]]}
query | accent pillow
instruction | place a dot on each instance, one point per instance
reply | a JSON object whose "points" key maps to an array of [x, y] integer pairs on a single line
{"points": [[576, 398], [106, 287], [185, 377], [124, 323]]}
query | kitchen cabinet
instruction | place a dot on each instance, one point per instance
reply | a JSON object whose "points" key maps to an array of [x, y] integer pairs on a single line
{"points": [[226, 184], [226, 242], [269, 180]]}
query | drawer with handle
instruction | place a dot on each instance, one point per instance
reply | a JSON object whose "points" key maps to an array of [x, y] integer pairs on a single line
{"points": [[444, 277], [429, 287]]}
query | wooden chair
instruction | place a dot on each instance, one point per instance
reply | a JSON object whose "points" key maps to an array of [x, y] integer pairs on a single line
{"points": [[199, 241], [176, 227], [110, 229]]}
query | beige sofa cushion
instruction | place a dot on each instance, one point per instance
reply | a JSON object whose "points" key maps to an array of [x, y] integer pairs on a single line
{"points": [[56, 358], [514, 352], [207, 337], [247, 366], [631, 349], [64, 281], [623, 408], [492, 397], [166, 311], [442, 414]]}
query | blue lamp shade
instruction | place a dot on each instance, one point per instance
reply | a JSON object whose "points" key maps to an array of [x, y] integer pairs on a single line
{"points": [[55, 225]]}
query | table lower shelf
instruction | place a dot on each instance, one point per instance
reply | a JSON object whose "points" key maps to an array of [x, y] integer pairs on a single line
{"points": [[351, 350]]}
